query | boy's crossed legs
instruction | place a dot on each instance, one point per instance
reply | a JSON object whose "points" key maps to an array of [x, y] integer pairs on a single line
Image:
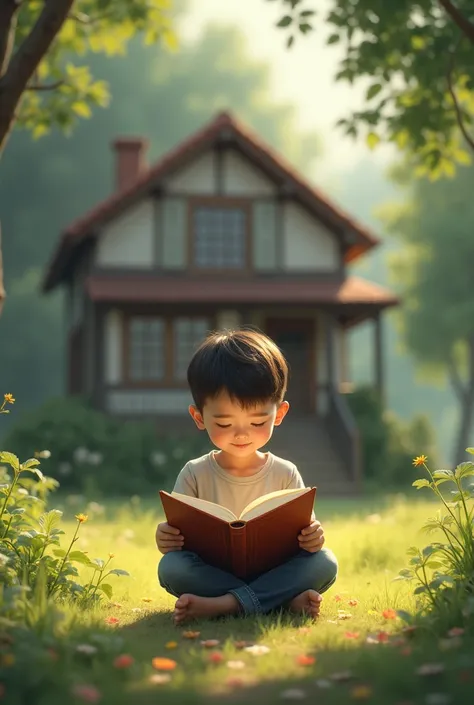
{"points": [[205, 591]]}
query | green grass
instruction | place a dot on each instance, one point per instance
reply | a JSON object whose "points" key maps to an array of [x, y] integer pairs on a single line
{"points": [[370, 539]]}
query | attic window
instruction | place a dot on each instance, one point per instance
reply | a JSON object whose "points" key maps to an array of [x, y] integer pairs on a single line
{"points": [[219, 237]]}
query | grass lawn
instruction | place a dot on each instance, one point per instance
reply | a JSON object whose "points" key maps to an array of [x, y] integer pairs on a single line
{"points": [[370, 538]]}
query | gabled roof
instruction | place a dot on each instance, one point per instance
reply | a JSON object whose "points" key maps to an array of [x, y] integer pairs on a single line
{"points": [[224, 128]]}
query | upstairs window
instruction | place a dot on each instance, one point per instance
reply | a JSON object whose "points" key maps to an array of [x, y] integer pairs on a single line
{"points": [[219, 237]]}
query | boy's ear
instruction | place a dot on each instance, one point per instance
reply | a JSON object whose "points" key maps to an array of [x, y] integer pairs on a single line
{"points": [[197, 417], [281, 412]]}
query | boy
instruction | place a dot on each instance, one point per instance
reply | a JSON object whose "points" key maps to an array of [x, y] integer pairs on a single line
{"points": [[238, 381]]}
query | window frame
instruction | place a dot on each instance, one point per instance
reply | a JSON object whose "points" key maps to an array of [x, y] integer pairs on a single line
{"points": [[168, 381], [222, 203]]}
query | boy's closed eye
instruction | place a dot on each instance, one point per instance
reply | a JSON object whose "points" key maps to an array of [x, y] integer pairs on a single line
{"points": [[228, 425]]}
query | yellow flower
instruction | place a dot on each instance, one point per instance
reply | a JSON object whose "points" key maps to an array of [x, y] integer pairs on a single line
{"points": [[111, 555], [419, 460], [9, 398], [361, 692], [82, 518], [8, 660], [171, 645]]}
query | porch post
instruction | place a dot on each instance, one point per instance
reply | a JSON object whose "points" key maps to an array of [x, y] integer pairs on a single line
{"points": [[378, 358], [330, 350]]}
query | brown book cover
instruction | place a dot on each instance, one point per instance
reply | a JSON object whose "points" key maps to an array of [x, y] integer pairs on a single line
{"points": [[243, 546]]}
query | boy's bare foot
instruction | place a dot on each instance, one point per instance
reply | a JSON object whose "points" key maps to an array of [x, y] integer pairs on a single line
{"points": [[193, 607], [307, 602]]}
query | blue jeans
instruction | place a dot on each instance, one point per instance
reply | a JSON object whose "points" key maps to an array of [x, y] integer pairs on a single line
{"points": [[184, 572]]}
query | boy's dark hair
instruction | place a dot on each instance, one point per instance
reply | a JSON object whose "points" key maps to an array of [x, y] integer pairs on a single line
{"points": [[245, 363]]}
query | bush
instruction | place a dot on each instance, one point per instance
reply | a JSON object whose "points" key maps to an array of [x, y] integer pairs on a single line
{"points": [[388, 443], [96, 454]]}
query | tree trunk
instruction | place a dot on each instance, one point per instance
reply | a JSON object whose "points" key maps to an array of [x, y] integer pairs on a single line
{"points": [[465, 394]]}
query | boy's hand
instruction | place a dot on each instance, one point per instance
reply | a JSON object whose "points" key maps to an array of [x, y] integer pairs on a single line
{"points": [[168, 538], [312, 537]]}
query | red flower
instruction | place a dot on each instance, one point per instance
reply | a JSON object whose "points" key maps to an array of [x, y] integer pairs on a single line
{"points": [[216, 657], [124, 661], [305, 660], [352, 635], [112, 620], [383, 637], [389, 614], [353, 603]]}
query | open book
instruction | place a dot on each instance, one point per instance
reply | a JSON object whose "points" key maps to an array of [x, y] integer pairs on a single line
{"points": [[262, 537]]}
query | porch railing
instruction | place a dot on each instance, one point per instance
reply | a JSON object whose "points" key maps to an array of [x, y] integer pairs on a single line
{"points": [[344, 433]]}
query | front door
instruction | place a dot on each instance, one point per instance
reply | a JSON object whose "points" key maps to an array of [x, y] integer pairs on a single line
{"points": [[295, 338]]}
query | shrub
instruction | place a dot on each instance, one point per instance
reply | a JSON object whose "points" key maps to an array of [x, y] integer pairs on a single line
{"points": [[443, 571], [388, 444], [96, 454]]}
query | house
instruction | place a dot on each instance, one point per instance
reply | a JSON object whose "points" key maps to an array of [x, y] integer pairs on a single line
{"points": [[220, 232]]}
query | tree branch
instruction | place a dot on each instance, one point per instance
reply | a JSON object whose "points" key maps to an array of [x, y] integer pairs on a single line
{"points": [[25, 61], [8, 12], [459, 19], [43, 86], [459, 118]]}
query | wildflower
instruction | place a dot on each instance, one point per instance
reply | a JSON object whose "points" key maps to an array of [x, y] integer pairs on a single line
{"points": [[352, 635], [111, 555], [430, 669], [337, 598], [216, 657], [159, 678], [163, 664], [304, 630], [361, 692], [235, 664], [137, 609], [9, 398], [112, 620], [257, 649], [88, 649], [389, 614], [293, 694], [305, 660], [158, 458], [353, 602], [455, 631], [124, 661], [191, 635], [242, 644], [210, 643], [383, 637], [419, 460], [171, 645], [342, 614], [44, 454], [80, 455], [87, 693], [82, 518]]}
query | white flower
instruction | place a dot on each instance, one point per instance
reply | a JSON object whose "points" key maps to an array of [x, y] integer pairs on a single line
{"points": [[158, 458], [64, 468], [257, 649], [80, 455], [95, 508], [323, 683], [160, 678], [44, 454], [86, 649], [236, 664], [95, 458], [293, 694], [137, 609]]}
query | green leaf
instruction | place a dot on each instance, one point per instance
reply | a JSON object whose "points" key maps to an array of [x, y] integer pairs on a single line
{"points": [[30, 463], [10, 459], [304, 27], [470, 451], [107, 589], [290, 41], [420, 590], [464, 470], [59, 552], [372, 140], [118, 571], [413, 551], [285, 21], [81, 108], [405, 616], [80, 557], [438, 474], [307, 13], [422, 482], [373, 90], [333, 39], [16, 510], [429, 550]]}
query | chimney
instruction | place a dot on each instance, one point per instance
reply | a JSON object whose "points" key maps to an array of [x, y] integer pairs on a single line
{"points": [[130, 160]]}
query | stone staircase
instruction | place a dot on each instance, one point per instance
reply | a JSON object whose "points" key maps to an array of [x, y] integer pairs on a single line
{"points": [[305, 441]]}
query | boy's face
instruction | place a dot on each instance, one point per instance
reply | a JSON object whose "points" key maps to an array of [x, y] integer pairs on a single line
{"points": [[235, 430]]}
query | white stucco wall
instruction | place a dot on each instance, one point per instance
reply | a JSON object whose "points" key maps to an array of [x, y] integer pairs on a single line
{"points": [[228, 319], [242, 178], [307, 244], [196, 178], [128, 241]]}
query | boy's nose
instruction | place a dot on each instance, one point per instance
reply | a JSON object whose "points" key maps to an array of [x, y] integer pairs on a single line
{"points": [[241, 434]]}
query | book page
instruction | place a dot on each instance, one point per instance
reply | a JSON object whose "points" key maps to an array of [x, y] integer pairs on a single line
{"points": [[205, 506], [270, 501]]}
